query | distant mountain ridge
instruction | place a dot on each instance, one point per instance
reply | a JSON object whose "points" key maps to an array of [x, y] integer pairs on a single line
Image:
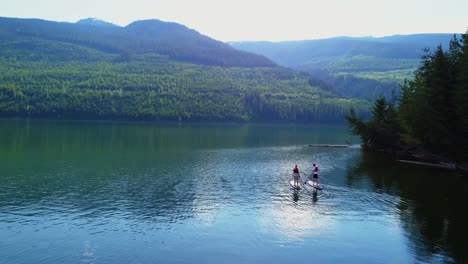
{"points": [[141, 37], [316, 54], [358, 67]]}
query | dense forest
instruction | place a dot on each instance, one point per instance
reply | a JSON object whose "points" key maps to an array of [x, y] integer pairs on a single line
{"points": [[149, 70], [433, 109]]}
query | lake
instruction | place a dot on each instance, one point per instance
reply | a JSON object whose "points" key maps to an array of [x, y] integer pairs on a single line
{"points": [[116, 192]]}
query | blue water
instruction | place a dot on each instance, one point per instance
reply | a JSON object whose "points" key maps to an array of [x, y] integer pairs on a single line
{"points": [[90, 192]]}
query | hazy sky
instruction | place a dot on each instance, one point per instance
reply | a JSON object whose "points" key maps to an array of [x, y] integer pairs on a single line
{"points": [[274, 20]]}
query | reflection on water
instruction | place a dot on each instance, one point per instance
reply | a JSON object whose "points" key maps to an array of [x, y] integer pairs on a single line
{"points": [[296, 195], [140, 193], [431, 205]]}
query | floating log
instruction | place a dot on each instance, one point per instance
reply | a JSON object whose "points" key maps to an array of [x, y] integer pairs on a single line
{"points": [[449, 166], [328, 146]]}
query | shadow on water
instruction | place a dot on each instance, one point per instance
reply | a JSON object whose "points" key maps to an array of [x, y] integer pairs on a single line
{"points": [[431, 205]]}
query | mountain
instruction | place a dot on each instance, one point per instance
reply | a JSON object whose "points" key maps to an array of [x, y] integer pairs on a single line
{"points": [[141, 37], [184, 44], [366, 67], [150, 70]]}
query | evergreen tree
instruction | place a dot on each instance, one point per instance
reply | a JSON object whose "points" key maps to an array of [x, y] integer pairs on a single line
{"points": [[414, 105], [427, 104], [358, 126], [438, 93], [461, 102], [382, 130]]}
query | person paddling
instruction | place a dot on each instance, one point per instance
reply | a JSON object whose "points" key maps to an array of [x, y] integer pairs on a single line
{"points": [[296, 176], [315, 174]]}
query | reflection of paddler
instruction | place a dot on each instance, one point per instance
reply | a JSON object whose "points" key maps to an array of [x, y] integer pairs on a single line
{"points": [[296, 196], [296, 176], [314, 197]]}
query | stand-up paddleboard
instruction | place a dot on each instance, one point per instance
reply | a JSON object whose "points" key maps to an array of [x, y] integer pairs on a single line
{"points": [[298, 187], [315, 185]]}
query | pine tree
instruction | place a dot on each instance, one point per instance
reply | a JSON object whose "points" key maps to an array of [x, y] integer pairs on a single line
{"points": [[383, 129], [427, 103], [438, 93], [358, 126], [414, 106], [461, 102]]}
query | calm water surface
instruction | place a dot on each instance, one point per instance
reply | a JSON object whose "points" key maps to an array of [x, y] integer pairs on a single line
{"points": [[93, 192]]}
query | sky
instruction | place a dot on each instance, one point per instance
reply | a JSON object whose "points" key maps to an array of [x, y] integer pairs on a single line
{"points": [[266, 20]]}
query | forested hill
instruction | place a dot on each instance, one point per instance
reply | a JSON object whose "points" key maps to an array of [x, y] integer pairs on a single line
{"points": [[365, 67], [141, 37], [149, 70]]}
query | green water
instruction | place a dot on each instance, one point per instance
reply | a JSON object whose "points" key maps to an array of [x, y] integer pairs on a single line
{"points": [[105, 192]]}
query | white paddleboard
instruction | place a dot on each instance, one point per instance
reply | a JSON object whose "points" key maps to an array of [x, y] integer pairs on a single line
{"points": [[315, 185], [298, 187]]}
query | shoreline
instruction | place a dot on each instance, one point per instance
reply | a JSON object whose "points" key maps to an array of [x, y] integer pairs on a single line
{"points": [[422, 157]]}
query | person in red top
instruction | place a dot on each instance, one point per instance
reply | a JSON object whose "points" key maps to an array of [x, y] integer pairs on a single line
{"points": [[315, 174], [296, 176]]}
